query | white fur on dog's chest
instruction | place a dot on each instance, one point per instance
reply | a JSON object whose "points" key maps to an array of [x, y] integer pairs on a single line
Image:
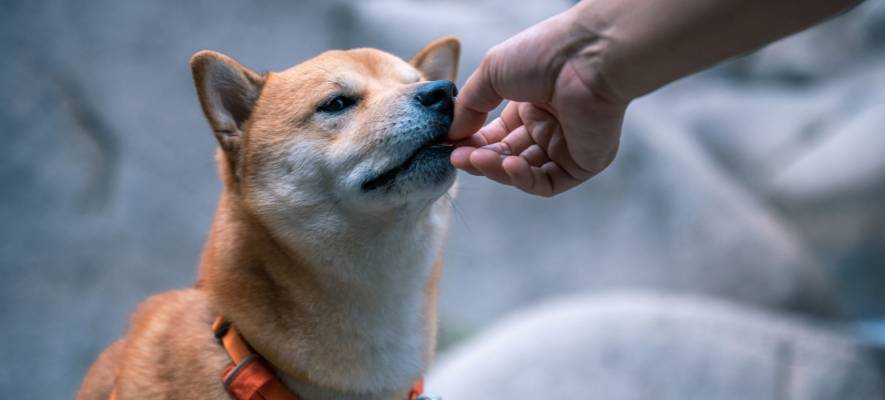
{"points": [[377, 279]]}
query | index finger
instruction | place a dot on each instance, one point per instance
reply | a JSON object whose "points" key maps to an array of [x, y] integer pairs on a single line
{"points": [[475, 100]]}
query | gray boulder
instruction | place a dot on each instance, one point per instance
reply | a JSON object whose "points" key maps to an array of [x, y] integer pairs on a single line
{"points": [[813, 156], [405, 25], [830, 48], [835, 193], [632, 346]]}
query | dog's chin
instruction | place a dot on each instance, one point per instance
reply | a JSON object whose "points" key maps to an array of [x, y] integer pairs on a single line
{"points": [[426, 173]]}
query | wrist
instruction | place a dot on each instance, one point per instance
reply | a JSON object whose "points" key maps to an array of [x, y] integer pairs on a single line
{"points": [[592, 49]]}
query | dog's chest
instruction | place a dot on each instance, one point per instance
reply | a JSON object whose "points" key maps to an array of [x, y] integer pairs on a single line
{"points": [[371, 333]]}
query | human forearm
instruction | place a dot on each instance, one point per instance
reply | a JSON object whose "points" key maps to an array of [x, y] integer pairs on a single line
{"points": [[642, 45]]}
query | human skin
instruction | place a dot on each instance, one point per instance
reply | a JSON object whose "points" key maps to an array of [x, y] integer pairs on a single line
{"points": [[570, 78]]}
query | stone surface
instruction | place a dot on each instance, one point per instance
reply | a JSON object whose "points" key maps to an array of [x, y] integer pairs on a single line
{"points": [[812, 155], [628, 346], [816, 54]]}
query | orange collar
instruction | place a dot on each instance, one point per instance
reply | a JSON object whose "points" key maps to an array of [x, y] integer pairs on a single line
{"points": [[250, 377]]}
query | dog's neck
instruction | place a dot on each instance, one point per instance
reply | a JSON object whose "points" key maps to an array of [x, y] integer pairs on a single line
{"points": [[346, 304]]}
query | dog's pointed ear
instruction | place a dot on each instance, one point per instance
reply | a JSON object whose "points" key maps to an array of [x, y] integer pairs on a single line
{"points": [[228, 92], [439, 59]]}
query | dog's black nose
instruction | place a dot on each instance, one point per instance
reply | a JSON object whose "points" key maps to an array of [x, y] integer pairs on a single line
{"points": [[438, 96]]}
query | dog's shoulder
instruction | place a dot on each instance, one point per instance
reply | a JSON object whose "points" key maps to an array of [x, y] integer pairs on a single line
{"points": [[99, 380], [170, 349]]}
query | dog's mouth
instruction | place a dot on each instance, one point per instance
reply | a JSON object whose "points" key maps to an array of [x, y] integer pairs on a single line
{"points": [[435, 147]]}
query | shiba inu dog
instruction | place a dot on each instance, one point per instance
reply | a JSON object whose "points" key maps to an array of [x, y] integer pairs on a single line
{"points": [[324, 252]]}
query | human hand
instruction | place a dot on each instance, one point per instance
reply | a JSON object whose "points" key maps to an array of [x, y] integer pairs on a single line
{"points": [[561, 126]]}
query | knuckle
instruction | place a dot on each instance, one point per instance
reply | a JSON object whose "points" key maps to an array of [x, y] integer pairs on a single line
{"points": [[492, 53], [490, 61]]}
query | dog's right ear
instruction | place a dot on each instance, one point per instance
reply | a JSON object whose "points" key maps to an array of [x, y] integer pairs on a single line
{"points": [[228, 92], [439, 59]]}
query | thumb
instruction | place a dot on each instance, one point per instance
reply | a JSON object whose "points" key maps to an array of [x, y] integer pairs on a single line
{"points": [[476, 99]]}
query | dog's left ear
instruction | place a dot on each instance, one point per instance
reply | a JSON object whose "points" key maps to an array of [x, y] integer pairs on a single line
{"points": [[439, 59], [228, 92]]}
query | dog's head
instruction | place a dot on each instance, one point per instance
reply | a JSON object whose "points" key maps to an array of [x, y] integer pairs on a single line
{"points": [[360, 129]]}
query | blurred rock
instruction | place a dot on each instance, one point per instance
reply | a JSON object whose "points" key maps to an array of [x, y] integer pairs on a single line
{"points": [[813, 155], [847, 161], [752, 132], [641, 346], [480, 24], [756, 131], [816, 53], [835, 193]]}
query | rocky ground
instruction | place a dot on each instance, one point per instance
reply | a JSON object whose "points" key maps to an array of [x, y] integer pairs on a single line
{"points": [[757, 186], [630, 346]]}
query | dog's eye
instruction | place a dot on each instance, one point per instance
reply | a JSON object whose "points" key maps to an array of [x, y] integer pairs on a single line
{"points": [[337, 104]]}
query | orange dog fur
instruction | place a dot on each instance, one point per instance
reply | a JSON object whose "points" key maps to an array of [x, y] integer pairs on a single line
{"points": [[325, 249]]}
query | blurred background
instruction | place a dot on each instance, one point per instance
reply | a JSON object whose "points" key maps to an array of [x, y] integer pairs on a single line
{"points": [[735, 249]]}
